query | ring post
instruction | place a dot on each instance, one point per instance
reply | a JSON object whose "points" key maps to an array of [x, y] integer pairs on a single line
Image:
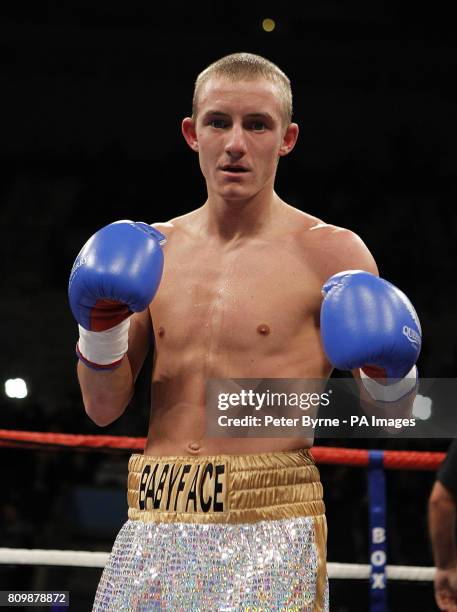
{"points": [[377, 535]]}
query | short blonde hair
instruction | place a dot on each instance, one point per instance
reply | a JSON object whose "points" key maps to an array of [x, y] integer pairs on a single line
{"points": [[246, 66]]}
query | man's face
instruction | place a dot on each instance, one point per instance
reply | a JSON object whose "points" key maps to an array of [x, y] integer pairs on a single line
{"points": [[239, 135]]}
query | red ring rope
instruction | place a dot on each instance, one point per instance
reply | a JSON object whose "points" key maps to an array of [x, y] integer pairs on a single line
{"points": [[393, 460]]}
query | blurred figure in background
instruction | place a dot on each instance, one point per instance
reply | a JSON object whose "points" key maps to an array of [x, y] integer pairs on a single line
{"points": [[442, 513]]}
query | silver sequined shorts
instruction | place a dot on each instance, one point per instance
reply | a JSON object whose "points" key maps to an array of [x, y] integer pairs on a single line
{"points": [[246, 533]]}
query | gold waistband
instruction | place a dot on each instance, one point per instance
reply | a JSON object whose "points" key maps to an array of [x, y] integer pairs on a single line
{"points": [[224, 488]]}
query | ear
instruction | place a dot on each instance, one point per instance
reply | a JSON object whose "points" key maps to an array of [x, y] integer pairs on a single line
{"points": [[189, 132], [289, 139]]}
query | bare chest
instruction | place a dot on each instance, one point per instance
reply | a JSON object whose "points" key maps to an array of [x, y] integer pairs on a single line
{"points": [[235, 297]]}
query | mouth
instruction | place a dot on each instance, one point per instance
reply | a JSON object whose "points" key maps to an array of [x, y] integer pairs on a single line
{"points": [[232, 169]]}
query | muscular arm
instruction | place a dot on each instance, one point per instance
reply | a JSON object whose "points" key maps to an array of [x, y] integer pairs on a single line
{"points": [[106, 394], [339, 249], [441, 520], [346, 251]]}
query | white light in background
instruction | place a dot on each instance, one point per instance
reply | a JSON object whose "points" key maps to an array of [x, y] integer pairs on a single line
{"points": [[422, 407], [16, 388]]}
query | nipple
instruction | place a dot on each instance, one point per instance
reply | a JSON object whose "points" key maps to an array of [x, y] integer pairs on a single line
{"points": [[161, 332], [263, 329]]}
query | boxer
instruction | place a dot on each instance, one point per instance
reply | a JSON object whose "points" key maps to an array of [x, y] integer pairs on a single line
{"points": [[246, 286]]}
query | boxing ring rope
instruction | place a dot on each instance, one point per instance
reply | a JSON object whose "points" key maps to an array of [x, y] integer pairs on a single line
{"points": [[375, 460], [82, 558], [392, 460]]}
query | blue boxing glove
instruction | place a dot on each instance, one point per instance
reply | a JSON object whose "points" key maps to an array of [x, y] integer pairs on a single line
{"points": [[116, 273], [368, 323]]}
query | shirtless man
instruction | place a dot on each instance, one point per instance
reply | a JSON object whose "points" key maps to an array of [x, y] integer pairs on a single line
{"points": [[240, 297]]}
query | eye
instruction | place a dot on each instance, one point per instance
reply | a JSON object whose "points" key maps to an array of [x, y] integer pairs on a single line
{"points": [[218, 123], [257, 126]]}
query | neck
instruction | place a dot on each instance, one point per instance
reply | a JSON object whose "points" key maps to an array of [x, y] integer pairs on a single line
{"points": [[234, 219]]}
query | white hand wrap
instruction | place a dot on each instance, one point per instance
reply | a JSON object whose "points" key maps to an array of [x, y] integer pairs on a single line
{"points": [[105, 347], [390, 393]]}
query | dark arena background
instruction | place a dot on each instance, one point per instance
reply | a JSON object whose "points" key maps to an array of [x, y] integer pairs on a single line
{"points": [[93, 96]]}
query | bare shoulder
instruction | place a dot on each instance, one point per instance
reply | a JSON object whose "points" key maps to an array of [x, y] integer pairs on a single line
{"points": [[183, 223], [334, 249], [336, 238], [298, 219]]}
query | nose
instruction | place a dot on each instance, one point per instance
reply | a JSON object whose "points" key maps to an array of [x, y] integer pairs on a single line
{"points": [[236, 143]]}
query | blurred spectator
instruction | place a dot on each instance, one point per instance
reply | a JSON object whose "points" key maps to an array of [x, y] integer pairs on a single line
{"points": [[442, 513]]}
